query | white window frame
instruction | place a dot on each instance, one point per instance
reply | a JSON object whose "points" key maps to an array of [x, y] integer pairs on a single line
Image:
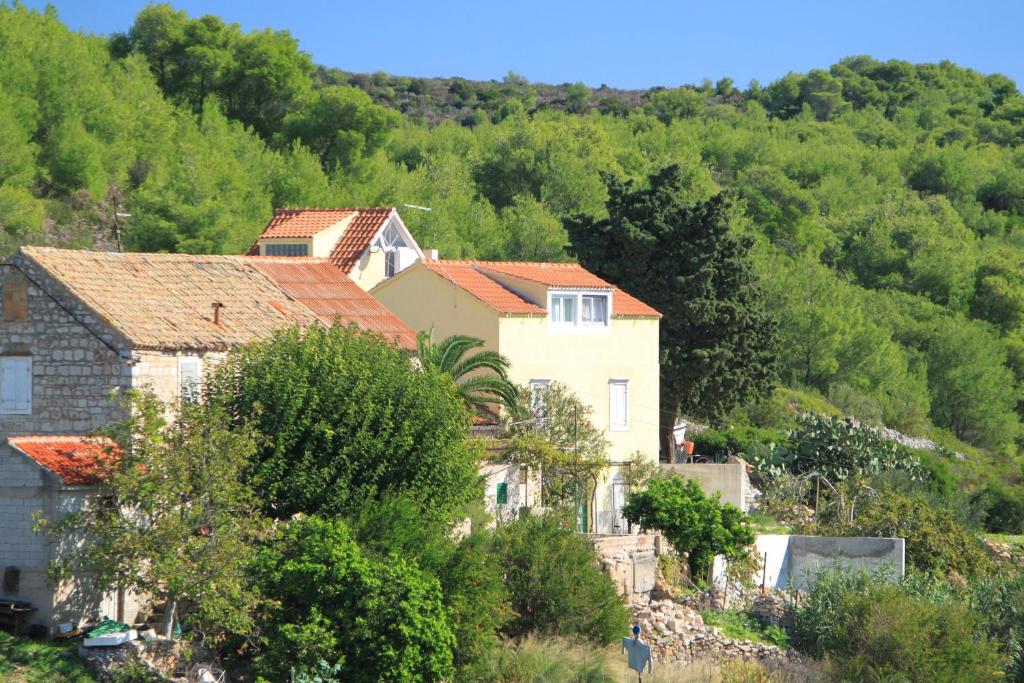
{"points": [[612, 425], [538, 391], [190, 393], [576, 325], [16, 365]]}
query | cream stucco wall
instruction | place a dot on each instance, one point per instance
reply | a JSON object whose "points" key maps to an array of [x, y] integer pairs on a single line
{"points": [[370, 269], [425, 301], [584, 361]]}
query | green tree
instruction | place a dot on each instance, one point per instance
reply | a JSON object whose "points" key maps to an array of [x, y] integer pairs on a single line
{"points": [[172, 518], [559, 441], [340, 125], [693, 523], [555, 584], [377, 619], [967, 369], [482, 378], [350, 421], [718, 343]]}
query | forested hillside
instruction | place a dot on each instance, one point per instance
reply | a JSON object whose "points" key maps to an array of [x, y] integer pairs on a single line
{"points": [[887, 198]]}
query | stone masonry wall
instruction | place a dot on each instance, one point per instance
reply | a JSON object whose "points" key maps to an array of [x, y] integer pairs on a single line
{"points": [[73, 372], [23, 492]]}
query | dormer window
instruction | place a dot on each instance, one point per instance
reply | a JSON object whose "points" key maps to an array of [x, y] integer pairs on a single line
{"points": [[579, 310], [271, 249]]}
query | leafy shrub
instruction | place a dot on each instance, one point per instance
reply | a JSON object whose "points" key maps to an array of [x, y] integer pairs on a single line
{"points": [[1001, 509], [350, 421], [879, 632], [837, 449], [470, 579], [378, 619], [555, 584], [693, 523], [936, 541], [736, 624], [721, 443]]}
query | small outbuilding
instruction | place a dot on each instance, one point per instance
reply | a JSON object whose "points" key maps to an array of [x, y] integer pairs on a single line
{"points": [[49, 476]]}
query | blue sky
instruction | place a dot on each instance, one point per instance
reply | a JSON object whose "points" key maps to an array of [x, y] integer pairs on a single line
{"points": [[623, 44]]}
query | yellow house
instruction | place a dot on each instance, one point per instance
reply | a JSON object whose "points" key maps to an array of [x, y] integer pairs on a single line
{"points": [[555, 322], [368, 244]]}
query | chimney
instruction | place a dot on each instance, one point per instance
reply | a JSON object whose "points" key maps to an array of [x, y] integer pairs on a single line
{"points": [[216, 311], [431, 254]]}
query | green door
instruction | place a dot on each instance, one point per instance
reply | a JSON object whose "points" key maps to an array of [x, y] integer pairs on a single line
{"points": [[582, 518]]}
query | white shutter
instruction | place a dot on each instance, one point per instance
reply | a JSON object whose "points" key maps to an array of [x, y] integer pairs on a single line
{"points": [[618, 399], [16, 385], [190, 372]]}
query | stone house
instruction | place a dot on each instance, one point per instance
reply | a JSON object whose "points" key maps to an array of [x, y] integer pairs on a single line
{"points": [[76, 326]]}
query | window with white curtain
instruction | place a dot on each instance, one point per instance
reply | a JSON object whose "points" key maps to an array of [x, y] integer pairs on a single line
{"points": [[594, 309]]}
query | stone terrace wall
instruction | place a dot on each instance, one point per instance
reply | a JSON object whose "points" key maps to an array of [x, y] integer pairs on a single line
{"points": [[630, 561]]}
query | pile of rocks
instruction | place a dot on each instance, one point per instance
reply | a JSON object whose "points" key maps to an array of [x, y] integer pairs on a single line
{"points": [[677, 634], [164, 660], [999, 551]]}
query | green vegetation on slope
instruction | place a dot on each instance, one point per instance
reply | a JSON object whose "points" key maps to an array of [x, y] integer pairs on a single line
{"points": [[886, 198]]}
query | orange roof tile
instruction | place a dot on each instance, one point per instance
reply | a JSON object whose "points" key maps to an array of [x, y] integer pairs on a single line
{"points": [[164, 301], [76, 460], [298, 223], [563, 275], [465, 275], [357, 236], [568, 275], [331, 296]]}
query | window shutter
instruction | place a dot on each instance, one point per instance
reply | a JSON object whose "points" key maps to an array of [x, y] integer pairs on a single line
{"points": [[502, 493], [189, 377], [16, 386], [619, 404]]}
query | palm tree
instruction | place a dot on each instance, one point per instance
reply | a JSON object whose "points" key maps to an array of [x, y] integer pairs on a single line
{"points": [[482, 378]]}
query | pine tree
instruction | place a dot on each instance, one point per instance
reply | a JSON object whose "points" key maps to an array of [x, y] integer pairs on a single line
{"points": [[718, 342]]}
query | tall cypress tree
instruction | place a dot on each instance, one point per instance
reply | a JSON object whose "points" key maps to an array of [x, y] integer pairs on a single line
{"points": [[718, 342]]}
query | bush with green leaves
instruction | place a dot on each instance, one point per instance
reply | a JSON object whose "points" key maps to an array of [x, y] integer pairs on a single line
{"points": [[471, 581], [1001, 508], [936, 541], [836, 449], [721, 443], [879, 632], [555, 582], [349, 421], [378, 619], [696, 524]]}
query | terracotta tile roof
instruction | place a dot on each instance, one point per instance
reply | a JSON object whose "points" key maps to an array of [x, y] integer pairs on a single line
{"points": [[472, 276], [75, 459], [465, 275], [363, 224], [357, 236], [552, 274], [298, 223], [330, 295], [164, 301]]}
